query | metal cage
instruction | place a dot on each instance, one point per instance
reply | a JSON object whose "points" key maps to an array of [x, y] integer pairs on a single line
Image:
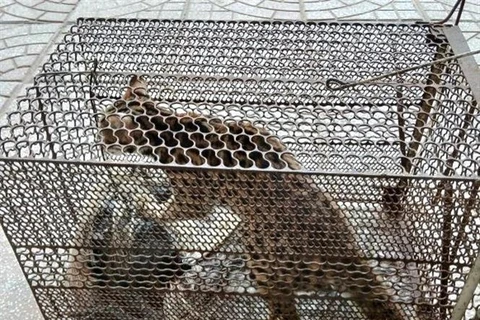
{"points": [[204, 170]]}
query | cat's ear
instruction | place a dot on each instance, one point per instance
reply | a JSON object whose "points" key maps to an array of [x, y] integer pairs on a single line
{"points": [[139, 88], [137, 82], [136, 86], [128, 94]]}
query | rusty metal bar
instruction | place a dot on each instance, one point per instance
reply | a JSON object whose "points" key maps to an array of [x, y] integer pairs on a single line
{"points": [[401, 130], [466, 218], [456, 152], [446, 246], [468, 290]]}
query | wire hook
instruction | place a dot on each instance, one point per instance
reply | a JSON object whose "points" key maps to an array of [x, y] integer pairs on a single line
{"points": [[460, 3], [343, 85]]}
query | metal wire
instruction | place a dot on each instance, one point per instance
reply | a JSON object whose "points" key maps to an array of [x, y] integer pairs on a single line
{"points": [[342, 85], [165, 169], [460, 3]]}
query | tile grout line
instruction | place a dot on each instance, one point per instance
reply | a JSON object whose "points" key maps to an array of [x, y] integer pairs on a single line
{"points": [[29, 22], [421, 11], [186, 9], [303, 14]]}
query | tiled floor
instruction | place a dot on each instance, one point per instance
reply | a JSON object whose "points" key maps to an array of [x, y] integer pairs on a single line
{"points": [[29, 29]]}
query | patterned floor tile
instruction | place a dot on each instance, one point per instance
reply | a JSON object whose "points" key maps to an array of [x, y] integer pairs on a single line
{"points": [[141, 9], [17, 301], [20, 46], [36, 10], [28, 27]]}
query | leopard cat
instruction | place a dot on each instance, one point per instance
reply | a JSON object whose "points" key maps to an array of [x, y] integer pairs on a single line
{"points": [[111, 248], [296, 236]]}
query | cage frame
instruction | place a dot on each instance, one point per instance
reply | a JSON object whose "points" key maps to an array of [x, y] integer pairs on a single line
{"points": [[457, 43]]}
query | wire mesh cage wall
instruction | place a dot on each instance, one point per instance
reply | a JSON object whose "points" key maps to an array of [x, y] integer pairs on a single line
{"points": [[204, 170]]}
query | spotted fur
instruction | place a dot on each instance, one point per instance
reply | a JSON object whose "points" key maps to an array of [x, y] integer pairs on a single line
{"points": [[111, 247], [290, 226]]}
